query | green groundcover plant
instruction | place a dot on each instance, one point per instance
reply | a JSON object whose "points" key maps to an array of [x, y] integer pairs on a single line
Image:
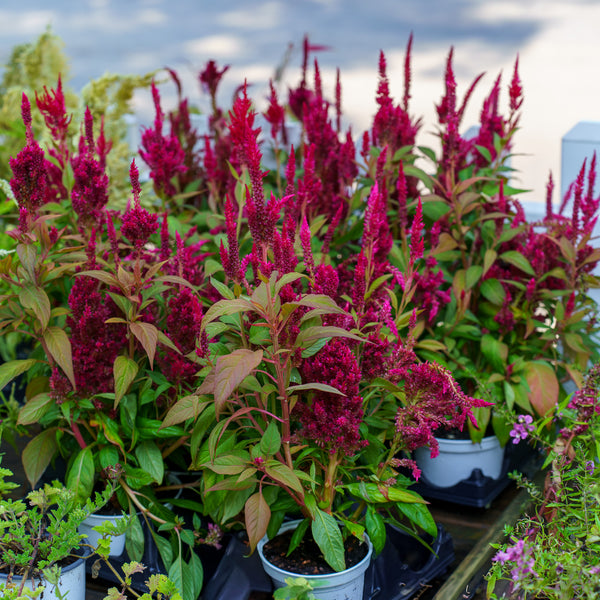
{"points": [[553, 551]]}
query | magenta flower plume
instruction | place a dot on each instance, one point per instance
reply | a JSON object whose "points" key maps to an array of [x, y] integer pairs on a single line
{"points": [[433, 399], [417, 245], [392, 125], [90, 190], [515, 90], [29, 183], [138, 224], [275, 114], [163, 154], [52, 106], [549, 191], [577, 197], [230, 258], [333, 420], [407, 73], [305, 237], [211, 76]]}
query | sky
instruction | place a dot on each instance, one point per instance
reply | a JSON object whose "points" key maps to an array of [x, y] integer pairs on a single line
{"points": [[556, 41]]}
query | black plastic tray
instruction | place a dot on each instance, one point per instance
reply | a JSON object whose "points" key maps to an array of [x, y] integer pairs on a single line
{"points": [[479, 490], [405, 565]]}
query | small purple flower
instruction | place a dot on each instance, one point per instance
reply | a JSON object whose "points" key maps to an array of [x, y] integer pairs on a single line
{"points": [[522, 428], [590, 467], [521, 556]]}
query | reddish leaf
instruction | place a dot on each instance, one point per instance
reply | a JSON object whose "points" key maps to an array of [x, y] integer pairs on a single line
{"points": [[13, 368], [188, 407], [231, 370], [257, 514], [36, 299], [147, 334], [543, 385], [59, 347], [35, 409]]}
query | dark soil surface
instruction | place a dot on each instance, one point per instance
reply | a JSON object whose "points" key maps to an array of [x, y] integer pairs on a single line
{"points": [[307, 559]]}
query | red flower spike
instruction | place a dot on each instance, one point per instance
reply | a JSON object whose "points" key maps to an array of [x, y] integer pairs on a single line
{"points": [[89, 129], [549, 191], [211, 76], [275, 113], [407, 74], [416, 241], [515, 91], [134, 176], [305, 237], [26, 116], [52, 106]]}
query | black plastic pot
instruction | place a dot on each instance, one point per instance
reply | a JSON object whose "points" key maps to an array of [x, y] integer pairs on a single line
{"points": [[405, 565]]}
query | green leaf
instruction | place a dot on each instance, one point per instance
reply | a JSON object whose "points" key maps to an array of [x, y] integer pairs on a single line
{"points": [[222, 289], [283, 474], [307, 337], [229, 464], [231, 370], [188, 407], [372, 493], [298, 535], [27, 254], [37, 455], [134, 539], [102, 276], [59, 347], [147, 335], [489, 259], [375, 529], [151, 460], [518, 260], [495, 352], [433, 210], [420, 515], [492, 290], [323, 387], [124, 372], [328, 537], [312, 350], [80, 477], [473, 275], [257, 515], [35, 409], [271, 440], [320, 302], [226, 307], [35, 298], [12, 369], [108, 457]]}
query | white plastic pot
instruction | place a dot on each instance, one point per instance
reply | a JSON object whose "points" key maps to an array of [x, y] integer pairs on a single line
{"points": [[117, 543], [345, 585], [457, 460], [71, 583]]}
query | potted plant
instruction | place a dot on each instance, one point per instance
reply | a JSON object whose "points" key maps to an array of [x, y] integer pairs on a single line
{"points": [[100, 309], [40, 545], [502, 301], [552, 551], [306, 406]]}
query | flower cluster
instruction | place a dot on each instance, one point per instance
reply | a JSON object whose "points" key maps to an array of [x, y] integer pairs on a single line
{"points": [[333, 419], [522, 428], [520, 555]]}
